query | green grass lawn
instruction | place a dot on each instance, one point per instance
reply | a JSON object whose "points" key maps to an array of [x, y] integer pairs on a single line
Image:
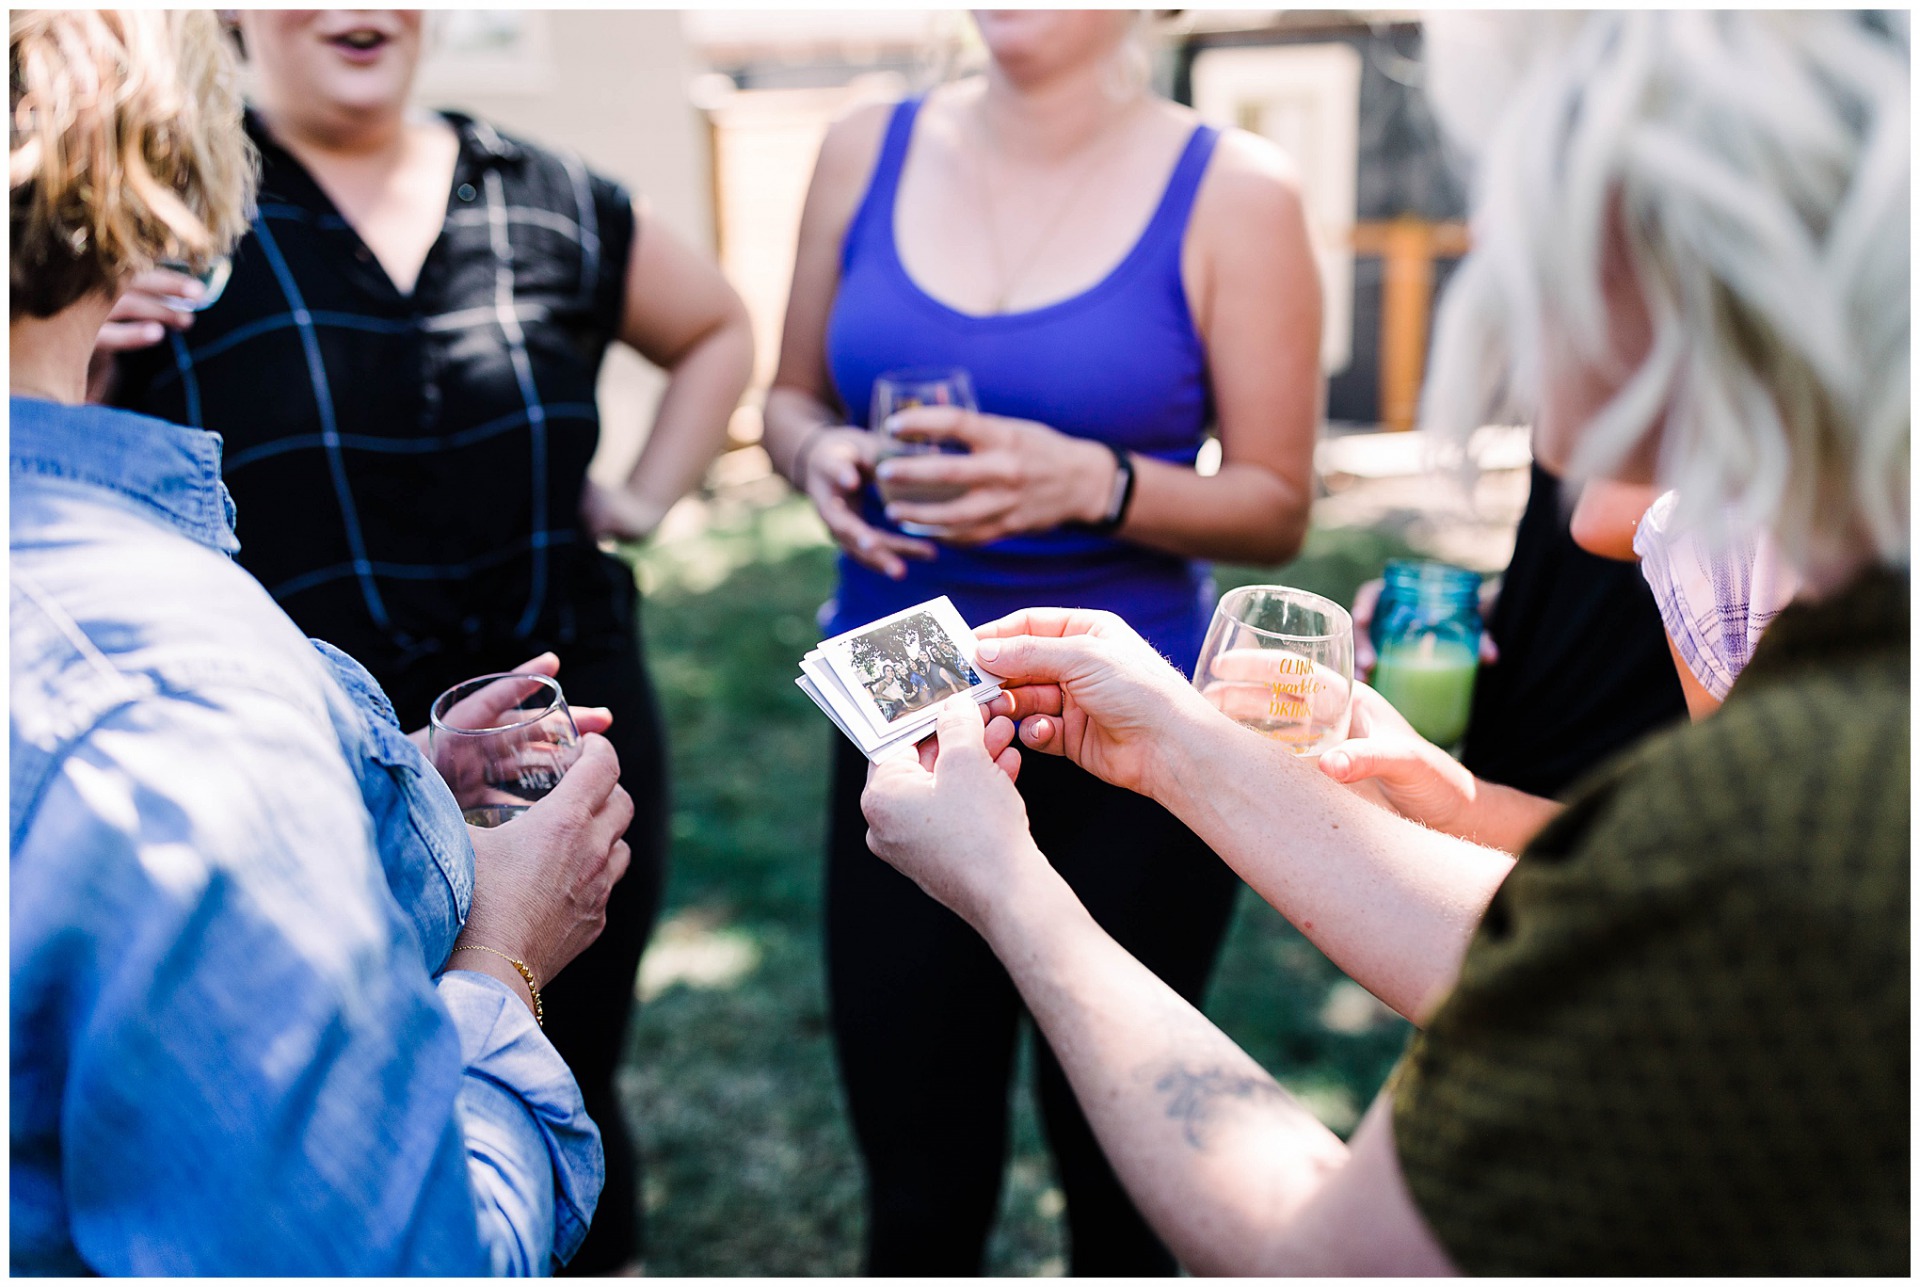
{"points": [[730, 1081]]}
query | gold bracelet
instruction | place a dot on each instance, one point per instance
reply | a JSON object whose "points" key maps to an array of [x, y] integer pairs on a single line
{"points": [[539, 1014]]}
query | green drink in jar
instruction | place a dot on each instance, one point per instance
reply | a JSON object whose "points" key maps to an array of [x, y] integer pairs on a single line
{"points": [[1426, 632]]}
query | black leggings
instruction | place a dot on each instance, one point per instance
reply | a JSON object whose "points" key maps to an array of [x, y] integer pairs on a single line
{"points": [[589, 1007], [925, 1020]]}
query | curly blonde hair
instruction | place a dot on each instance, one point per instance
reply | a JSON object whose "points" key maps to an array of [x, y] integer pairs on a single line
{"points": [[126, 149], [1757, 166]]}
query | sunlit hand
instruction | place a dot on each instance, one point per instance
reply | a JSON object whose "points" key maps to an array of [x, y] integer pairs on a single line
{"points": [[141, 317], [837, 467], [540, 882], [956, 826], [616, 513], [1020, 476], [1391, 764], [1084, 685], [999, 738], [588, 719]]}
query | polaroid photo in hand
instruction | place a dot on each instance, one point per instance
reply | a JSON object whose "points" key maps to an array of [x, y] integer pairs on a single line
{"points": [[883, 683], [897, 669]]}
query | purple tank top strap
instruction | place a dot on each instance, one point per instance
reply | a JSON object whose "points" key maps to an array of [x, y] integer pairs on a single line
{"points": [[1168, 227], [874, 218]]}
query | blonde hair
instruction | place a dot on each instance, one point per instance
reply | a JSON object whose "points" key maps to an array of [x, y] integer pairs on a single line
{"points": [[126, 148], [1756, 167]]}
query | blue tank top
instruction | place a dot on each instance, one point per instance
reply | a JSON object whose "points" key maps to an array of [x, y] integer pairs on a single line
{"points": [[1120, 363]]}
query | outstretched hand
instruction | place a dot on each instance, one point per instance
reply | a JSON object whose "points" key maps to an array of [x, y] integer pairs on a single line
{"points": [[1387, 761], [951, 820], [1083, 684]]}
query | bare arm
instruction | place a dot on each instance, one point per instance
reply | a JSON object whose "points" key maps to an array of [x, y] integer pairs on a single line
{"points": [[1391, 902], [1386, 761], [681, 315], [1605, 516], [804, 435], [1255, 291], [1700, 702], [1229, 1169]]}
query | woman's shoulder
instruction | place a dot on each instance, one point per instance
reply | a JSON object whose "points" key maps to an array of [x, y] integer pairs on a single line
{"points": [[1249, 220], [851, 146], [1249, 176], [529, 156]]}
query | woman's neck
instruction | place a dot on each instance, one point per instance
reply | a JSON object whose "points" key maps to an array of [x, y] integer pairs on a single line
{"points": [[47, 357], [355, 137], [1045, 120]]}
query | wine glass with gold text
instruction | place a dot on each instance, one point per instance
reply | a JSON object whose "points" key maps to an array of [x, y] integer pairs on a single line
{"points": [[1280, 662]]}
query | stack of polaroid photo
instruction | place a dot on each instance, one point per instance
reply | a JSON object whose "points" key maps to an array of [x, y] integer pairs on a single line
{"points": [[882, 684]]}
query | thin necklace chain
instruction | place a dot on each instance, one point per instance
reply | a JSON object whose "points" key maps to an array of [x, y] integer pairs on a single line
{"points": [[1095, 149]]}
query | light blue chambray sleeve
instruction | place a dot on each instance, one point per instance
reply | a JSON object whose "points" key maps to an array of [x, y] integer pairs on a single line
{"points": [[227, 1056], [419, 833], [534, 1154]]}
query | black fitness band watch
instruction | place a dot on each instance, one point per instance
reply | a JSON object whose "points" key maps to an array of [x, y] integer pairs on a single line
{"points": [[1122, 493]]}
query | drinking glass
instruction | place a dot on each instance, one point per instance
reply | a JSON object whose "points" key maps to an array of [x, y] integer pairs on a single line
{"points": [[1426, 633], [918, 387], [1280, 662], [502, 742], [212, 279]]}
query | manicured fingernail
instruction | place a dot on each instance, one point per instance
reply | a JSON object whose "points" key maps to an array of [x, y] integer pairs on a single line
{"points": [[1037, 729], [988, 650]]}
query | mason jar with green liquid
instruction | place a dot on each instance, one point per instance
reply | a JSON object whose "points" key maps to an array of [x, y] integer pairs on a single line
{"points": [[1426, 635]]}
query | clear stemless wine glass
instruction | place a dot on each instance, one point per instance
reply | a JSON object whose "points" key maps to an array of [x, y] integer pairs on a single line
{"points": [[918, 387], [212, 279], [502, 742], [1280, 662]]}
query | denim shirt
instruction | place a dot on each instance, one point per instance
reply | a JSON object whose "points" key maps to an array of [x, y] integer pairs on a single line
{"points": [[228, 1053], [422, 839]]}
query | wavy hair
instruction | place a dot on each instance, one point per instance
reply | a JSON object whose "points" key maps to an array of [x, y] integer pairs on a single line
{"points": [[126, 148], [1756, 167]]}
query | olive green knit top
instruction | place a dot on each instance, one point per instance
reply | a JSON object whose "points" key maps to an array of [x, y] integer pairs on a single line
{"points": [[1680, 1039]]}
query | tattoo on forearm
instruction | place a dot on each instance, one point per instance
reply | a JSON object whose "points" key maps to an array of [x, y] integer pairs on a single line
{"points": [[1191, 1095]]}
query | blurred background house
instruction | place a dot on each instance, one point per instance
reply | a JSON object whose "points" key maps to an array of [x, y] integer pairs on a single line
{"points": [[716, 115]]}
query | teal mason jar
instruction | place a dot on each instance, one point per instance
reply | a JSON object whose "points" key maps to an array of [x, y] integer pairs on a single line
{"points": [[1426, 633]]}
